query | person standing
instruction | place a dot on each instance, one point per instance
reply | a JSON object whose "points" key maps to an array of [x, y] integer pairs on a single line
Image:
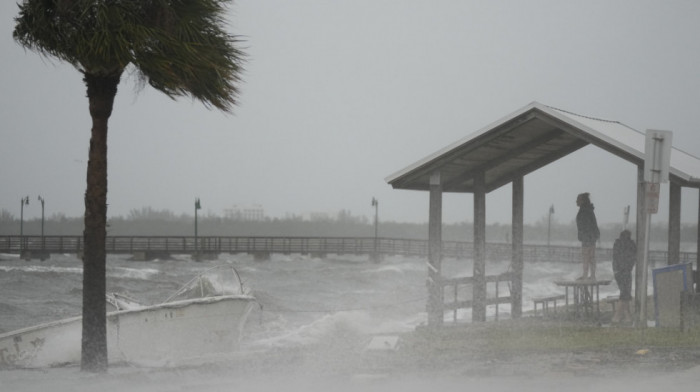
{"points": [[588, 234], [624, 259]]}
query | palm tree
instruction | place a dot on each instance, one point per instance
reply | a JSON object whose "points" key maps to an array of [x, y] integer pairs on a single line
{"points": [[179, 47]]}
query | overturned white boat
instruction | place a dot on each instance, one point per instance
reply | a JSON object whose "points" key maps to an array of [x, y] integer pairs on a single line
{"points": [[204, 318]]}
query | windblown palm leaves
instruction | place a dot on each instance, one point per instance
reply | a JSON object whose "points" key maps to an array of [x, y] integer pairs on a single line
{"points": [[179, 47]]}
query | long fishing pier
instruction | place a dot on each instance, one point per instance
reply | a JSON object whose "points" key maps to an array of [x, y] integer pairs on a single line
{"points": [[261, 247]]}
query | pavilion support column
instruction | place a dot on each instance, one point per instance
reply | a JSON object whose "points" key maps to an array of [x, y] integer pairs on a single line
{"points": [[641, 225], [516, 293], [674, 224], [435, 289], [479, 287]]}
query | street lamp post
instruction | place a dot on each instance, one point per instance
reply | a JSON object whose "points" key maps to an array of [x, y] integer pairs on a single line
{"points": [[375, 204], [23, 202], [41, 200], [197, 206], [549, 224]]}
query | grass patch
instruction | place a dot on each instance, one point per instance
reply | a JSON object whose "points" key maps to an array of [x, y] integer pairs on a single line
{"points": [[569, 338], [542, 336]]}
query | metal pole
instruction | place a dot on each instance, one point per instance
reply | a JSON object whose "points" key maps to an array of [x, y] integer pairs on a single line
{"points": [[549, 229], [549, 224], [375, 204], [23, 202], [655, 180], [376, 220], [549, 232], [197, 206], [645, 267], [41, 199], [645, 264]]}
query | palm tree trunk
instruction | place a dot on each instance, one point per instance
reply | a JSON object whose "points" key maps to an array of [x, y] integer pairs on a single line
{"points": [[101, 91]]}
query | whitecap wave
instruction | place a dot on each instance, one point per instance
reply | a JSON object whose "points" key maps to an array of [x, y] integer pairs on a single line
{"points": [[41, 269], [323, 328], [133, 273]]}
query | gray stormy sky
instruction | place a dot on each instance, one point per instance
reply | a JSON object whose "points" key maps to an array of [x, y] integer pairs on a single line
{"points": [[337, 95]]}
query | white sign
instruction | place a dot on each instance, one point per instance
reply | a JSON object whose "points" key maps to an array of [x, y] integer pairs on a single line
{"points": [[657, 157]]}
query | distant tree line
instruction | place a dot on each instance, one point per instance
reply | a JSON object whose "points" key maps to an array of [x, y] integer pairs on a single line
{"points": [[149, 221]]}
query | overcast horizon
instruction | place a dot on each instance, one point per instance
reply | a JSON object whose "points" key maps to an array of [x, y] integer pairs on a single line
{"points": [[336, 96]]}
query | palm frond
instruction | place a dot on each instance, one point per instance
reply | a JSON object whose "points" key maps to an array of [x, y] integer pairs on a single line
{"points": [[179, 47]]}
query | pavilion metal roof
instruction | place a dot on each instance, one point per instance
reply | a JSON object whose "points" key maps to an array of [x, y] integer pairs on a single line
{"points": [[526, 140]]}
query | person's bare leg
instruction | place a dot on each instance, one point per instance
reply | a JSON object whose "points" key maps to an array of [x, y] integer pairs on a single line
{"points": [[617, 317], [626, 314], [584, 262]]}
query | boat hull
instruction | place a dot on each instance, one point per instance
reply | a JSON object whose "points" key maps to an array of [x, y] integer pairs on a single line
{"points": [[167, 334]]}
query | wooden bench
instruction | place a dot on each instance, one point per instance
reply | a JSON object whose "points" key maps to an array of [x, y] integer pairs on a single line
{"points": [[546, 301]]}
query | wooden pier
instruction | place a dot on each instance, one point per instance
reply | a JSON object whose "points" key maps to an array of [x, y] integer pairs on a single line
{"points": [[149, 247]]}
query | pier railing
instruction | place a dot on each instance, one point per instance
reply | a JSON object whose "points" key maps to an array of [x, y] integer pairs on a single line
{"points": [[265, 245]]}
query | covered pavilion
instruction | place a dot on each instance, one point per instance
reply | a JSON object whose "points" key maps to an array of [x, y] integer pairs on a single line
{"points": [[504, 152]]}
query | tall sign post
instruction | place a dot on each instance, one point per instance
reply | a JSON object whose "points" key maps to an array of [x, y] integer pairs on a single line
{"points": [[657, 160]]}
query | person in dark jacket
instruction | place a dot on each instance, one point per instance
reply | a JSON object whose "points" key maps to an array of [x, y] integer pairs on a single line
{"points": [[624, 259], [588, 234]]}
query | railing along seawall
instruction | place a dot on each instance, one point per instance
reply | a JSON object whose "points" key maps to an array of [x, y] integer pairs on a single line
{"points": [[304, 245]]}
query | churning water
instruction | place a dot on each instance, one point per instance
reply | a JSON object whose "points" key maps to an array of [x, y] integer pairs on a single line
{"points": [[315, 319]]}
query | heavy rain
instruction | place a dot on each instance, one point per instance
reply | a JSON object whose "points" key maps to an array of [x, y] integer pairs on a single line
{"points": [[333, 98]]}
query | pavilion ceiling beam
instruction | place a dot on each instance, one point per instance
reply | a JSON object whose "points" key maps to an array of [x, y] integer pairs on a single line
{"points": [[534, 165], [469, 174], [631, 157], [437, 162]]}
